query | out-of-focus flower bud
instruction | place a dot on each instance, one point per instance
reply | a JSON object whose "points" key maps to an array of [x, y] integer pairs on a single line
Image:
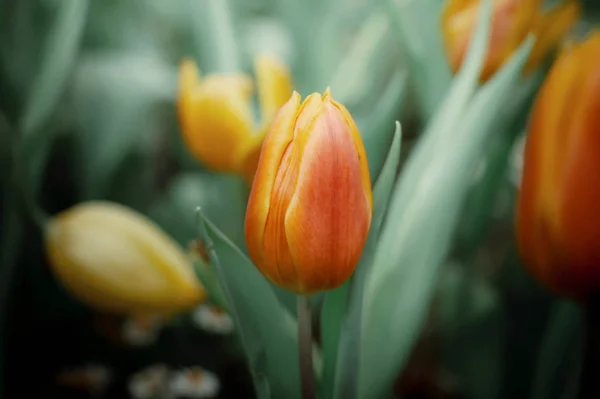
{"points": [[216, 117], [310, 207], [117, 261], [512, 21], [558, 229]]}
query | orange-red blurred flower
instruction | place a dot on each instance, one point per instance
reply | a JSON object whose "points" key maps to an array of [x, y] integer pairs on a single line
{"points": [[216, 117], [512, 21], [558, 218], [310, 206]]}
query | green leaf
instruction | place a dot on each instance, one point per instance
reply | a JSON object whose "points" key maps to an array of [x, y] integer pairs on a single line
{"points": [[415, 24], [222, 198], [424, 210], [210, 281], [376, 127], [559, 352], [59, 55], [346, 370], [216, 35], [355, 72], [116, 110], [480, 202], [385, 181], [267, 331]]}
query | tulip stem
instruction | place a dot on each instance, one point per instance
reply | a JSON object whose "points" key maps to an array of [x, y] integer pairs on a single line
{"points": [[589, 385], [307, 374]]}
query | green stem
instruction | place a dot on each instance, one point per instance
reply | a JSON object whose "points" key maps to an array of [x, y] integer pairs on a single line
{"points": [[307, 374]]}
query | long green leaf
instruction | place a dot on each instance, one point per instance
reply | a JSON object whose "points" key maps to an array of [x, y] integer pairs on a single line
{"points": [[422, 216], [376, 128], [348, 356], [415, 25], [340, 324], [267, 331], [60, 52]]}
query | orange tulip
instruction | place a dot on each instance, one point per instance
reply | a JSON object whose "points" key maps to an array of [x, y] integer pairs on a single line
{"points": [[558, 215], [512, 21], [310, 206], [216, 118]]}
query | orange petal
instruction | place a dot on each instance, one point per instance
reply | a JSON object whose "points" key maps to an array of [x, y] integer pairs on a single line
{"points": [[328, 218], [277, 140]]}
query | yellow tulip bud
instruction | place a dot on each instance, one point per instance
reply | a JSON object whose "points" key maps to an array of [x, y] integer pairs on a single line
{"points": [[310, 206], [512, 21], [115, 260], [215, 113]]}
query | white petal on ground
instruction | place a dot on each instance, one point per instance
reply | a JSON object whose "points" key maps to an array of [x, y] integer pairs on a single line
{"points": [[211, 319], [150, 383], [195, 382]]}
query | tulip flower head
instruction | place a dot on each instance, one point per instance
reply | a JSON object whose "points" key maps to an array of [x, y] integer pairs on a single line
{"points": [[310, 206], [558, 218], [512, 21], [216, 118], [117, 261]]}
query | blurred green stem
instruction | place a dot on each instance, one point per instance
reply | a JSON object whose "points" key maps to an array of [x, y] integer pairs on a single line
{"points": [[307, 375], [589, 384]]}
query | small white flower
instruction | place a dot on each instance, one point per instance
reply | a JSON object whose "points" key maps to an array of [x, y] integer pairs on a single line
{"points": [[150, 383], [212, 319], [91, 378], [142, 330], [195, 382]]}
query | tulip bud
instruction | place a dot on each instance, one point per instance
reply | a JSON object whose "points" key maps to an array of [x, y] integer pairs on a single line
{"points": [[216, 118], [310, 206], [512, 21], [115, 260], [558, 218]]}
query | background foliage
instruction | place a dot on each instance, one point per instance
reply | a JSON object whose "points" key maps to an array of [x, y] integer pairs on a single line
{"points": [[87, 96]]}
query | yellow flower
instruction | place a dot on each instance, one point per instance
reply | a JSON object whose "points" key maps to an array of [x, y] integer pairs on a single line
{"points": [[310, 206], [512, 21], [216, 118], [557, 211], [117, 261]]}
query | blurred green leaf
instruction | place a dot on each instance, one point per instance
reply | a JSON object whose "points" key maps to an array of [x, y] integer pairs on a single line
{"points": [[559, 352], [117, 97], [350, 81], [346, 370], [216, 35], [267, 331], [416, 26], [221, 197], [376, 127], [59, 56], [409, 253], [494, 165]]}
